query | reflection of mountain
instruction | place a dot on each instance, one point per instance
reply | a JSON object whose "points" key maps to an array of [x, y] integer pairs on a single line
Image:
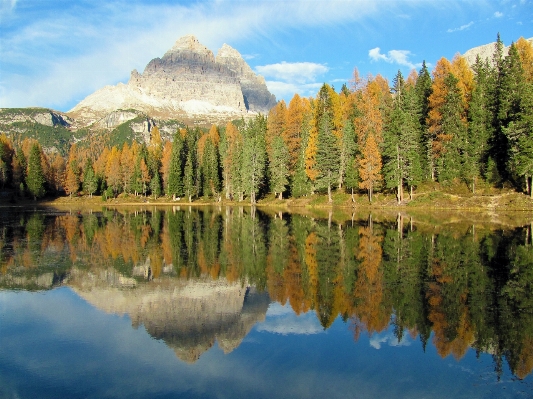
{"points": [[188, 315]]}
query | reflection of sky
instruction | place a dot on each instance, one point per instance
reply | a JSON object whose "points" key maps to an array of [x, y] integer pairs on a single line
{"points": [[282, 320], [389, 339], [54, 344]]}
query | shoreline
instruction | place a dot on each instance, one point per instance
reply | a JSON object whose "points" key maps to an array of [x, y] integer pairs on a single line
{"points": [[509, 201]]}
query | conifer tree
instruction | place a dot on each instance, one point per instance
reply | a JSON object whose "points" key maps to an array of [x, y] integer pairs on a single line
{"points": [[327, 155], [253, 168], [498, 142], [57, 172], [155, 185], [348, 158], [279, 167], [479, 126], [230, 151], [515, 115], [276, 125], [453, 133], [401, 145], [165, 165], [210, 169], [6, 158], [191, 171], [35, 179], [300, 182], [175, 174], [113, 171], [72, 181], [189, 183], [370, 166], [90, 184], [293, 130]]}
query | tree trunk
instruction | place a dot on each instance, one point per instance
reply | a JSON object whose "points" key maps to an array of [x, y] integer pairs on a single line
{"points": [[353, 199], [329, 187], [280, 196]]}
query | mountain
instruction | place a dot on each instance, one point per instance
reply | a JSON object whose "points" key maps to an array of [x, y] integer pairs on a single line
{"points": [[187, 83], [485, 51]]}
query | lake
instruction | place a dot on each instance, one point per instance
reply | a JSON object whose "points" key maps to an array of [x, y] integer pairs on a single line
{"points": [[238, 302]]}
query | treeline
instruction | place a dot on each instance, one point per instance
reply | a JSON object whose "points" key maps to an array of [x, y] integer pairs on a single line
{"points": [[460, 124], [460, 288]]}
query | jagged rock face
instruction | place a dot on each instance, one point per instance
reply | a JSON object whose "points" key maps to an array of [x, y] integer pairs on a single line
{"points": [[42, 116], [485, 52], [186, 81], [117, 118], [254, 89]]}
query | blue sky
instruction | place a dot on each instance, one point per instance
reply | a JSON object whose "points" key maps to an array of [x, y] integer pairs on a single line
{"points": [[53, 53]]}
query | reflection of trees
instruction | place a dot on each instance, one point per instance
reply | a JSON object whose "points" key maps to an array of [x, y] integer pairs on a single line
{"points": [[370, 311], [470, 288]]}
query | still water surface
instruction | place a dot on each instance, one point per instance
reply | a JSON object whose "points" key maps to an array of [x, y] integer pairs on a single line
{"points": [[230, 303]]}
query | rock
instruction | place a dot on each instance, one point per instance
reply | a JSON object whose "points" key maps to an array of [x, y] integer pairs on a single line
{"points": [[485, 51], [116, 118], [256, 95], [186, 82]]}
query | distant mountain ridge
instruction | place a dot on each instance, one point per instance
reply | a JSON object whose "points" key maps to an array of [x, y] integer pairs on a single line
{"points": [[188, 81], [485, 51]]}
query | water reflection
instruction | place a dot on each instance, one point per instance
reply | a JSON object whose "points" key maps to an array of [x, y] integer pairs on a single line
{"points": [[194, 277]]}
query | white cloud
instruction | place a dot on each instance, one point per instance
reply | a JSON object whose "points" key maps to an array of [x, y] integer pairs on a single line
{"points": [[293, 72], [498, 14], [287, 90], [400, 57], [375, 55], [282, 320], [388, 338], [462, 27], [249, 56]]}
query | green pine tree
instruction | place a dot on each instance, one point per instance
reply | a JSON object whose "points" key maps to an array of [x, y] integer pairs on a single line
{"points": [[479, 126], [449, 164], [279, 167], [175, 174], [35, 179], [90, 183], [254, 161], [210, 170], [328, 151], [423, 91]]}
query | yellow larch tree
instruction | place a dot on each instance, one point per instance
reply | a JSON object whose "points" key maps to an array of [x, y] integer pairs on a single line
{"points": [[113, 172], [437, 100], [165, 163], [370, 166], [276, 123], [292, 136], [525, 52], [462, 71], [127, 162]]}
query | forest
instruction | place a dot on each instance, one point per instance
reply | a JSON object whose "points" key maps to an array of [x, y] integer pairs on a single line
{"points": [[458, 125]]}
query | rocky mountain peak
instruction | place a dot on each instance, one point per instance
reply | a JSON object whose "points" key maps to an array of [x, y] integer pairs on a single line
{"points": [[186, 83], [229, 52], [189, 45]]}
